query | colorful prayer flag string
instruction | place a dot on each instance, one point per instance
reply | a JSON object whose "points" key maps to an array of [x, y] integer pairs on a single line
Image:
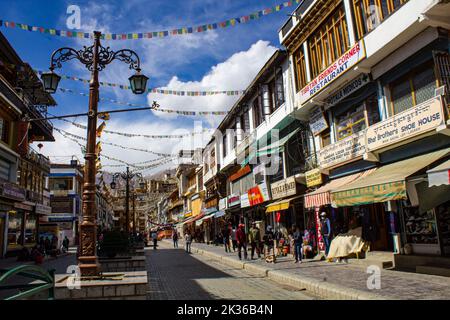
{"points": [[153, 34]]}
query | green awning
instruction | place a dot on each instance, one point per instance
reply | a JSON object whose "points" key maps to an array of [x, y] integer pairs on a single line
{"points": [[277, 146]]}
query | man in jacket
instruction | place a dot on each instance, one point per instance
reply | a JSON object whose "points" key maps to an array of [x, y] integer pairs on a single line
{"points": [[241, 241], [254, 238], [325, 228], [298, 240]]}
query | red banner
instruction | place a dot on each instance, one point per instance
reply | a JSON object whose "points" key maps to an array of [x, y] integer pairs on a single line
{"points": [[320, 242]]}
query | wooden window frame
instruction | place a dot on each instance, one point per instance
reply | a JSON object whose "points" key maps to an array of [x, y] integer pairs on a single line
{"points": [[410, 76], [326, 44], [362, 21], [300, 68]]}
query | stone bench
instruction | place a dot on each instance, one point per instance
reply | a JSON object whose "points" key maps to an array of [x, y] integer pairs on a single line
{"points": [[134, 263], [133, 286]]}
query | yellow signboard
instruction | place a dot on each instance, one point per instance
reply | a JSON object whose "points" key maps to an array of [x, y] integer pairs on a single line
{"points": [[313, 178]]}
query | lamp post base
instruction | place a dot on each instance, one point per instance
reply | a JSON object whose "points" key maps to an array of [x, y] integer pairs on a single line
{"points": [[88, 266]]}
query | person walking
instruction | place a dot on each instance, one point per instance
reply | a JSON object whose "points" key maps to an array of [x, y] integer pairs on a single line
{"points": [[325, 228], [269, 252], [188, 241], [226, 239], [155, 239], [241, 239], [254, 237], [175, 239], [66, 244], [233, 239], [298, 239]]}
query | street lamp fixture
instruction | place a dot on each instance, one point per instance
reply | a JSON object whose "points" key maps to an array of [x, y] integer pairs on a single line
{"points": [[113, 185], [138, 83], [51, 81], [95, 58]]}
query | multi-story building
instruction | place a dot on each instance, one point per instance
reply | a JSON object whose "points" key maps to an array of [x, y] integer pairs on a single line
{"points": [[105, 213], [372, 79], [66, 192], [23, 170]]}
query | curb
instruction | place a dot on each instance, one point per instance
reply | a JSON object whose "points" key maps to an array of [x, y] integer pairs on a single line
{"points": [[321, 289]]}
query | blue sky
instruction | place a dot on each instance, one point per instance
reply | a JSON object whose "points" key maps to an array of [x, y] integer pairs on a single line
{"points": [[224, 59]]}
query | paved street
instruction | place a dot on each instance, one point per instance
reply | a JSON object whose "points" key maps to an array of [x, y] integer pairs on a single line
{"points": [[174, 275], [347, 277]]}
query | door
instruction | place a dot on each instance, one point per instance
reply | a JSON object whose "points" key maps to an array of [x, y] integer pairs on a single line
{"points": [[379, 220]]}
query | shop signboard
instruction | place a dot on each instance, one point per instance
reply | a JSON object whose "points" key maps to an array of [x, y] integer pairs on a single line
{"points": [[258, 194], [317, 121], [313, 178], [12, 191], [245, 201], [407, 124], [60, 193], [223, 204], [41, 209], [347, 90], [333, 72], [234, 200], [284, 188], [343, 151]]}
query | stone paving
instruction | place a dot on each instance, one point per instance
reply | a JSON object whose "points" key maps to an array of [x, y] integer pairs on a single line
{"points": [[394, 284], [175, 275]]}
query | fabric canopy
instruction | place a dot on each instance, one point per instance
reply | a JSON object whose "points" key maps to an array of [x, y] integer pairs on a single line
{"points": [[200, 221], [385, 184], [440, 175], [280, 205], [277, 146], [322, 197]]}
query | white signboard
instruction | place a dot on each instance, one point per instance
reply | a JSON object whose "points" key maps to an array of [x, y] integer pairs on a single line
{"points": [[345, 150], [223, 204], [245, 202], [333, 72], [407, 124], [284, 188], [317, 121]]}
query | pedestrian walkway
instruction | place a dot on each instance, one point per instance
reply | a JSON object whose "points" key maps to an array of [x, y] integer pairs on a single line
{"points": [[175, 275], [337, 281]]}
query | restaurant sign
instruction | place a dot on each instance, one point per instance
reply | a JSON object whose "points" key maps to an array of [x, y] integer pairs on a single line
{"points": [[333, 72], [407, 124], [284, 188], [343, 151], [317, 121], [313, 178]]}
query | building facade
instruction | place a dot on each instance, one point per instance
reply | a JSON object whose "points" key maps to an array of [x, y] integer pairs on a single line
{"points": [[23, 171]]}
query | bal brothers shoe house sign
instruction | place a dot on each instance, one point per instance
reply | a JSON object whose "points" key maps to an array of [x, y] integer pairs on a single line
{"points": [[399, 128]]}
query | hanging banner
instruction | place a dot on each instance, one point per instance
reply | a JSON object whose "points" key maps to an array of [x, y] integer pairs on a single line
{"points": [[333, 72], [320, 242]]}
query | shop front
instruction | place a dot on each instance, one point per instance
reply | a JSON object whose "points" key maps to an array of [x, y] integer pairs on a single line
{"points": [[252, 204], [397, 199], [287, 205]]}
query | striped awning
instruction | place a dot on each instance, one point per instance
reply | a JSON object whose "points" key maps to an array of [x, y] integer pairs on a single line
{"points": [[280, 205], [387, 183], [322, 196]]}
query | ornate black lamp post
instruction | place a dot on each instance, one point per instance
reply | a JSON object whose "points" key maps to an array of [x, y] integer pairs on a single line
{"points": [[95, 58], [127, 176]]}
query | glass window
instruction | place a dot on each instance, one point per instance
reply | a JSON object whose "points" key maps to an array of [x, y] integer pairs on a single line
{"points": [[350, 123], [15, 235], [415, 88], [224, 145], [57, 184], [30, 229]]}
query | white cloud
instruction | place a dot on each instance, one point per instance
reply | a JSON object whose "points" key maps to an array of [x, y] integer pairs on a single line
{"points": [[235, 73]]}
